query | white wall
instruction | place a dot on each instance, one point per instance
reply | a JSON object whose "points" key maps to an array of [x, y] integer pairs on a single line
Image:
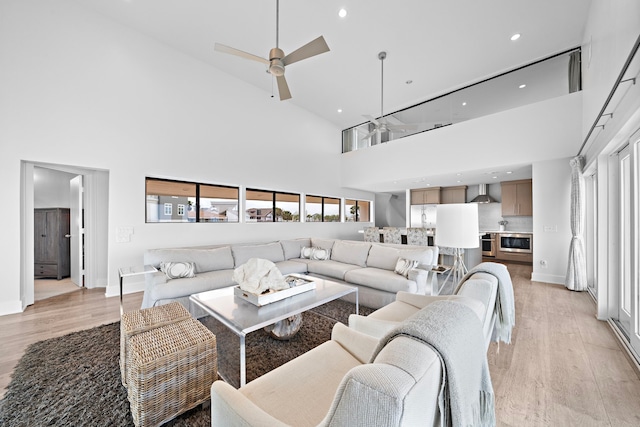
{"points": [[551, 226], [77, 89], [391, 210], [51, 188], [610, 32]]}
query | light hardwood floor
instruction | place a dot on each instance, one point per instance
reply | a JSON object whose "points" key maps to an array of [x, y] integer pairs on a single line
{"points": [[563, 368]]}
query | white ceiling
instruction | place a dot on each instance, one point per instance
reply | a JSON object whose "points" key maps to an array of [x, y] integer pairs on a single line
{"points": [[439, 45]]}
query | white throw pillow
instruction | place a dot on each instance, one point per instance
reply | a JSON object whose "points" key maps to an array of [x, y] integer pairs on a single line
{"points": [[403, 266], [306, 252], [320, 254], [316, 253], [177, 270]]}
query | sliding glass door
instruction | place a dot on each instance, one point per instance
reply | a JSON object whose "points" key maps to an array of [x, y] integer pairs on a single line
{"points": [[627, 300]]}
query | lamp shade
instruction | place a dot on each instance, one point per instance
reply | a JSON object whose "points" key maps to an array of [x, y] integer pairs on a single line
{"points": [[457, 225]]}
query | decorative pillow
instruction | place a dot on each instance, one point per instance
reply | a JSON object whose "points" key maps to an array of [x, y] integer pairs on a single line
{"points": [[177, 270], [306, 252], [320, 254], [403, 266]]}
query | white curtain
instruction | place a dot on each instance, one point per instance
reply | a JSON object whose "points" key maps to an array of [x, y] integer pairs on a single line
{"points": [[576, 279]]}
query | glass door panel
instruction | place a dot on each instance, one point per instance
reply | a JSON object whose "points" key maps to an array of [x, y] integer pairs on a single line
{"points": [[624, 294]]}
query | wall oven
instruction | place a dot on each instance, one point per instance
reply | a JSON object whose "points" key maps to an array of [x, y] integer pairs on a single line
{"points": [[488, 244], [514, 242]]}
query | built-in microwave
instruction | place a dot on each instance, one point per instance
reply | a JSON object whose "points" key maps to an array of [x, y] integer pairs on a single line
{"points": [[515, 242]]}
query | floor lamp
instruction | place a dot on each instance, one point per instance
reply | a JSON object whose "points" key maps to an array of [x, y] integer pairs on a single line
{"points": [[457, 228]]}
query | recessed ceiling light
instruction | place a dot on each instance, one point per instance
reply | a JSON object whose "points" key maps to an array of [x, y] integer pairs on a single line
{"points": [[515, 37], [342, 13], [495, 177], [339, 110], [458, 174], [509, 172], [464, 103], [459, 181], [522, 86]]}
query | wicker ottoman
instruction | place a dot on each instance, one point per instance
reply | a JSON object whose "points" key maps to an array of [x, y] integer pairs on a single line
{"points": [[170, 370], [135, 322]]}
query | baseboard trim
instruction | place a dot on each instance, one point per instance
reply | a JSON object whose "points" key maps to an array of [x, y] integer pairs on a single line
{"points": [[128, 288], [11, 307], [547, 278], [631, 355]]}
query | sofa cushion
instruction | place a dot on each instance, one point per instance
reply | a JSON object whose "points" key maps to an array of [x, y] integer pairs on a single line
{"points": [[383, 257], [423, 256], [380, 279], [270, 251], [322, 243], [290, 266], [330, 268], [200, 283], [292, 247], [203, 259], [350, 252], [324, 367]]}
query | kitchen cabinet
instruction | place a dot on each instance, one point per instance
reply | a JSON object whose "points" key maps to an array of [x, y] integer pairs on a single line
{"points": [[517, 198], [424, 196], [438, 195], [52, 249], [453, 194]]}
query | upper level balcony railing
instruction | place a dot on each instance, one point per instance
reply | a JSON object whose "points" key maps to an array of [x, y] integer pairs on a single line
{"points": [[547, 78]]}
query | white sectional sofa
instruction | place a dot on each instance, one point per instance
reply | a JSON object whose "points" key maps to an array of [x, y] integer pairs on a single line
{"points": [[374, 372], [370, 266]]}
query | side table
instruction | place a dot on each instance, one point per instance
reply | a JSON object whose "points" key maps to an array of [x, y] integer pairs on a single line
{"points": [[132, 271]]}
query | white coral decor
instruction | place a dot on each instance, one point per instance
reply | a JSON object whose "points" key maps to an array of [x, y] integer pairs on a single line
{"points": [[259, 275]]}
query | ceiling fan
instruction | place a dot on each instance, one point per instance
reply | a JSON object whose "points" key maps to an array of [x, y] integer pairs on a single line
{"points": [[382, 123], [277, 59]]}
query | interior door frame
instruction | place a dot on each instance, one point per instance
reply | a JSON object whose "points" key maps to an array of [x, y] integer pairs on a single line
{"points": [[96, 188]]}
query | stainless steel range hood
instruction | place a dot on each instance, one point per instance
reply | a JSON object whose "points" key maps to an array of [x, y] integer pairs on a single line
{"points": [[482, 196]]}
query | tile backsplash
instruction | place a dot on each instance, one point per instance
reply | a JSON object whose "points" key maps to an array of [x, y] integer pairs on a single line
{"points": [[490, 213]]}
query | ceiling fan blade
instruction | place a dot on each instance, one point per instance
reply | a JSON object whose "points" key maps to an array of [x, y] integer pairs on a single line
{"points": [[313, 48], [371, 119], [230, 50], [367, 136], [283, 88]]}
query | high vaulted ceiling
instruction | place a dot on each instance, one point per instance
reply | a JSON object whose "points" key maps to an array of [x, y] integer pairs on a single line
{"points": [[438, 45]]}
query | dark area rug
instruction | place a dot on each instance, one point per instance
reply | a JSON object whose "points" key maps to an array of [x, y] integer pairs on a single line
{"points": [[74, 380]]}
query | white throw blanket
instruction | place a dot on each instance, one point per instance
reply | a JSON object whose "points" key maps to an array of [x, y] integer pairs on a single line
{"points": [[258, 275], [504, 309], [454, 332]]}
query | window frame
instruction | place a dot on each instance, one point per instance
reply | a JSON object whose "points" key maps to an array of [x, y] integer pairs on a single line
{"points": [[357, 213], [322, 203], [274, 204], [196, 206]]}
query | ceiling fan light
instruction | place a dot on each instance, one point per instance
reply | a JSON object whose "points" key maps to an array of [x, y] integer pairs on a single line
{"points": [[276, 68]]}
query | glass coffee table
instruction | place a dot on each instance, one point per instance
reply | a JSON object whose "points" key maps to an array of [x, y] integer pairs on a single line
{"points": [[242, 317]]}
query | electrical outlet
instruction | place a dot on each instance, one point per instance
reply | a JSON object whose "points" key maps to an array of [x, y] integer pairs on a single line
{"points": [[550, 228], [543, 263]]}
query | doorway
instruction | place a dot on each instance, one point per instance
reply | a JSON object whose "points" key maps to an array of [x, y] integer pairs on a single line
{"points": [[52, 184]]}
